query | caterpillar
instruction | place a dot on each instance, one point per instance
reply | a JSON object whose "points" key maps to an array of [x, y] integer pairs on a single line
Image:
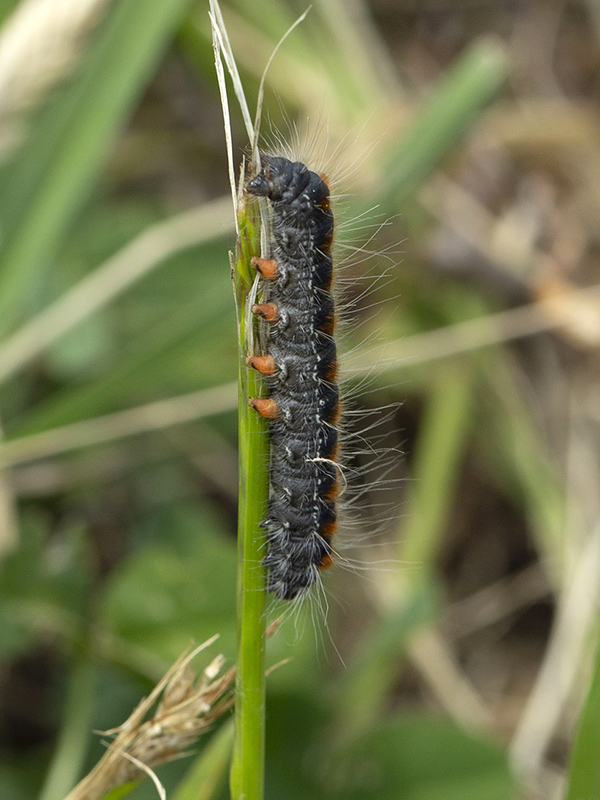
{"points": [[303, 407]]}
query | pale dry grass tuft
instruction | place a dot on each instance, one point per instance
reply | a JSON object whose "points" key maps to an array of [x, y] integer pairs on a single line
{"points": [[187, 705]]}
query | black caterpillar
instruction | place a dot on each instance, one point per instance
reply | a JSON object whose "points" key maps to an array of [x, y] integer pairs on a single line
{"points": [[303, 407]]}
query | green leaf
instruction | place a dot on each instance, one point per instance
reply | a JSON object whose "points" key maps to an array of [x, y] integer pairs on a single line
{"points": [[42, 587], [469, 86], [181, 588], [374, 668], [173, 317], [207, 774], [294, 749], [584, 769], [443, 436], [41, 191], [6, 8], [75, 732], [121, 791], [419, 757]]}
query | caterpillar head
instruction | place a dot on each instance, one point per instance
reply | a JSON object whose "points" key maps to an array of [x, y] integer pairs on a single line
{"points": [[279, 179]]}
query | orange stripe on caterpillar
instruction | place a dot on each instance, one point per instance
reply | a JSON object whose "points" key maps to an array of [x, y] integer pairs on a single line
{"points": [[326, 562]]}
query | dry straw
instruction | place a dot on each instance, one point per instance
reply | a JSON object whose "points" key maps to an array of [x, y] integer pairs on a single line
{"points": [[186, 706]]}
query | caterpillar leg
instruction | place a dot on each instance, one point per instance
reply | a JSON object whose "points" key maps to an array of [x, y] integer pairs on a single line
{"points": [[268, 311], [263, 364], [265, 406], [266, 266]]}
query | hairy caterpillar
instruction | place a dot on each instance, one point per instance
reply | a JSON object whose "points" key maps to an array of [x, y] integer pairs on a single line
{"points": [[296, 350], [303, 407]]}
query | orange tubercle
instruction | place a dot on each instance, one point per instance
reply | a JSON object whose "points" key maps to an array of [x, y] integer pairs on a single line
{"points": [[263, 364], [265, 406], [266, 266], [268, 311]]}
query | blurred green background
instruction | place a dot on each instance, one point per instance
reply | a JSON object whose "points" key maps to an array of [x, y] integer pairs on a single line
{"points": [[458, 648]]}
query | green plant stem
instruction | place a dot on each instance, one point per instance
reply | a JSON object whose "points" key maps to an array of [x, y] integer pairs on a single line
{"points": [[248, 766], [75, 734], [247, 771]]}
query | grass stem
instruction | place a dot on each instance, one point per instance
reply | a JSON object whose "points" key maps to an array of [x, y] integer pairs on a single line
{"points": [[247, 772]]}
